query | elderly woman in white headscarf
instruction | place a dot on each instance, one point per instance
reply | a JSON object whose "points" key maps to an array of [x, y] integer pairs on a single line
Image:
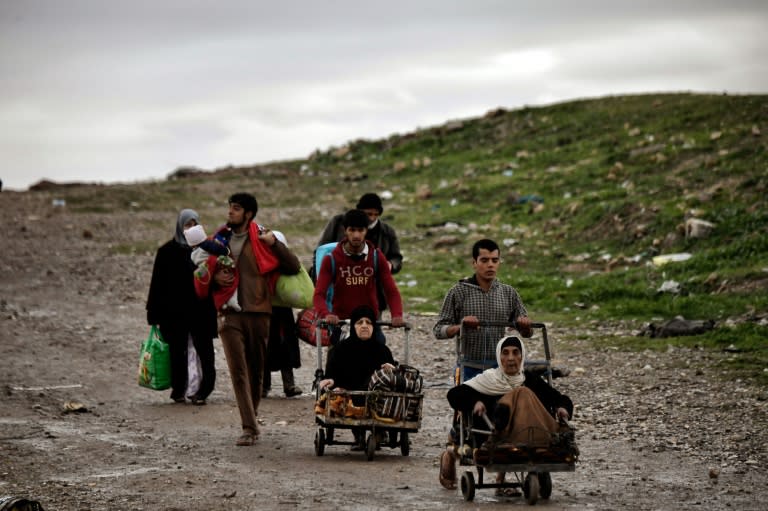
{"points": [[516, 402]]}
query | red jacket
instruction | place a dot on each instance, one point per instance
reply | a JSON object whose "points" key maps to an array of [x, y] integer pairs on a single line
{"points": [[354, 283], [267, 261]]}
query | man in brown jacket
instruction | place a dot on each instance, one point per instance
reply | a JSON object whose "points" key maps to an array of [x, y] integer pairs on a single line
{"points": [[260, 258]]}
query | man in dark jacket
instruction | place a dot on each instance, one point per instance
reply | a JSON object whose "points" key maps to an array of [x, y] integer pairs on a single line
{"points": [[382, 236]]}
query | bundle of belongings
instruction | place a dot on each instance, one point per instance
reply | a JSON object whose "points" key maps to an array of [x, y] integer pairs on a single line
{"points": [[403, 380], [339, 404], [539, 445], [531, 434], [394, 394]]}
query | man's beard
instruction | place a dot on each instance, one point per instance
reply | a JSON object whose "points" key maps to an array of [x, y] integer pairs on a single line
{"points": [[235, 226]]}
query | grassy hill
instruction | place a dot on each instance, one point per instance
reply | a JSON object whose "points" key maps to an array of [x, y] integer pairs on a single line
{"points": [[581, 194]]}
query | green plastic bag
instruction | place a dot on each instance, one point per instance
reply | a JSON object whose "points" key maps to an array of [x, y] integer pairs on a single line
{"points": [[294, 291], [155, 362]]}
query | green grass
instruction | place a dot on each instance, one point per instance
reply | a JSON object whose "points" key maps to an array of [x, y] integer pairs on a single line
{"points": [[618, 177]]}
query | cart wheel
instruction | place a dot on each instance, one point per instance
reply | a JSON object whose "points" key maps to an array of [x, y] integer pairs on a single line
{"points": [[468, 486], [545, 485], [405, 444], [370, 446], [320, 442], [531, 488]]}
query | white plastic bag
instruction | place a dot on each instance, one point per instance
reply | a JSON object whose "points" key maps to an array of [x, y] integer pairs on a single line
{"points": [[194, 371]]}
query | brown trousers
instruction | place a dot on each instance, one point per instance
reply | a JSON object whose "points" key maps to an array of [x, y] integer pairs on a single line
{"points": [[244, 337], [529, 422]]}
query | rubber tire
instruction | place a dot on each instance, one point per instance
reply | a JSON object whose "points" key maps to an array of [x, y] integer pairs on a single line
{"points": [[370, 447], [468, 486], [320, 442], [545, 485], [531, 488], [405, 444]]}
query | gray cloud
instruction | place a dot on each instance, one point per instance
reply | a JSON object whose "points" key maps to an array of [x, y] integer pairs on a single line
{"points": [[110, 91]]}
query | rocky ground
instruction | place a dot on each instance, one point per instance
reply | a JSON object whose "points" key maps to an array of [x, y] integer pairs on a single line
{"points": [[658, 431]]}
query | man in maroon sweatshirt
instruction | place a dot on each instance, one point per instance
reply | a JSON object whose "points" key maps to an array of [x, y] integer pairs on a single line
{"points": [[355, 272]]}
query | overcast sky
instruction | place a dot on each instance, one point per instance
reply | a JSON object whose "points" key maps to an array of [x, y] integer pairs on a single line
{"points": [[113, 90]]}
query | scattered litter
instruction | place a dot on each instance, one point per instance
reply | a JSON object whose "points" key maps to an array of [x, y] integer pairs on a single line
{"points": [[661, 260], [696, 228], [525, 199], [670, 286], [678, 327], [58, 203], [50, 387], [451, 226], [74, 406]]}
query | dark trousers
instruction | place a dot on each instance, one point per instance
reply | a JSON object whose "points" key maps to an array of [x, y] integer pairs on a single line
{"points": [[204, 349], [177, 338]]}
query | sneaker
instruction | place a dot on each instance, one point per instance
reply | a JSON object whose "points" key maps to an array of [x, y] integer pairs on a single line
{"points": [[197, 401]]}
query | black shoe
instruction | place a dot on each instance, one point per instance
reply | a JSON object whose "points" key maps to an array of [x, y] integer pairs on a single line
{"points": [[197, 401], [293, 391]]}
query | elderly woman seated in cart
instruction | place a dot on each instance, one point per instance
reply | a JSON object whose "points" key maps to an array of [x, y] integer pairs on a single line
{"points": [[353, 360], [524, 409]]}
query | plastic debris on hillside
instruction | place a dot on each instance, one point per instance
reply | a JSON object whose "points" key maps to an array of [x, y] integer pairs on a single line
{"points": [[670, 286], [661, 260]]}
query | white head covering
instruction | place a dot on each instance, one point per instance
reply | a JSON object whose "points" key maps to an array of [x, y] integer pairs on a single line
{"points": [[280, 236], [495, 381], [195, 235]]}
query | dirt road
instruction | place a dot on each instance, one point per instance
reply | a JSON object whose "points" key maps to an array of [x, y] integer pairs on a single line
{"points": [[656, 431]]}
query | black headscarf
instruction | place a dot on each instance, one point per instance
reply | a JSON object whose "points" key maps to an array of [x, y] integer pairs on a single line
{"points": [[352, 362], [362, 311]]}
